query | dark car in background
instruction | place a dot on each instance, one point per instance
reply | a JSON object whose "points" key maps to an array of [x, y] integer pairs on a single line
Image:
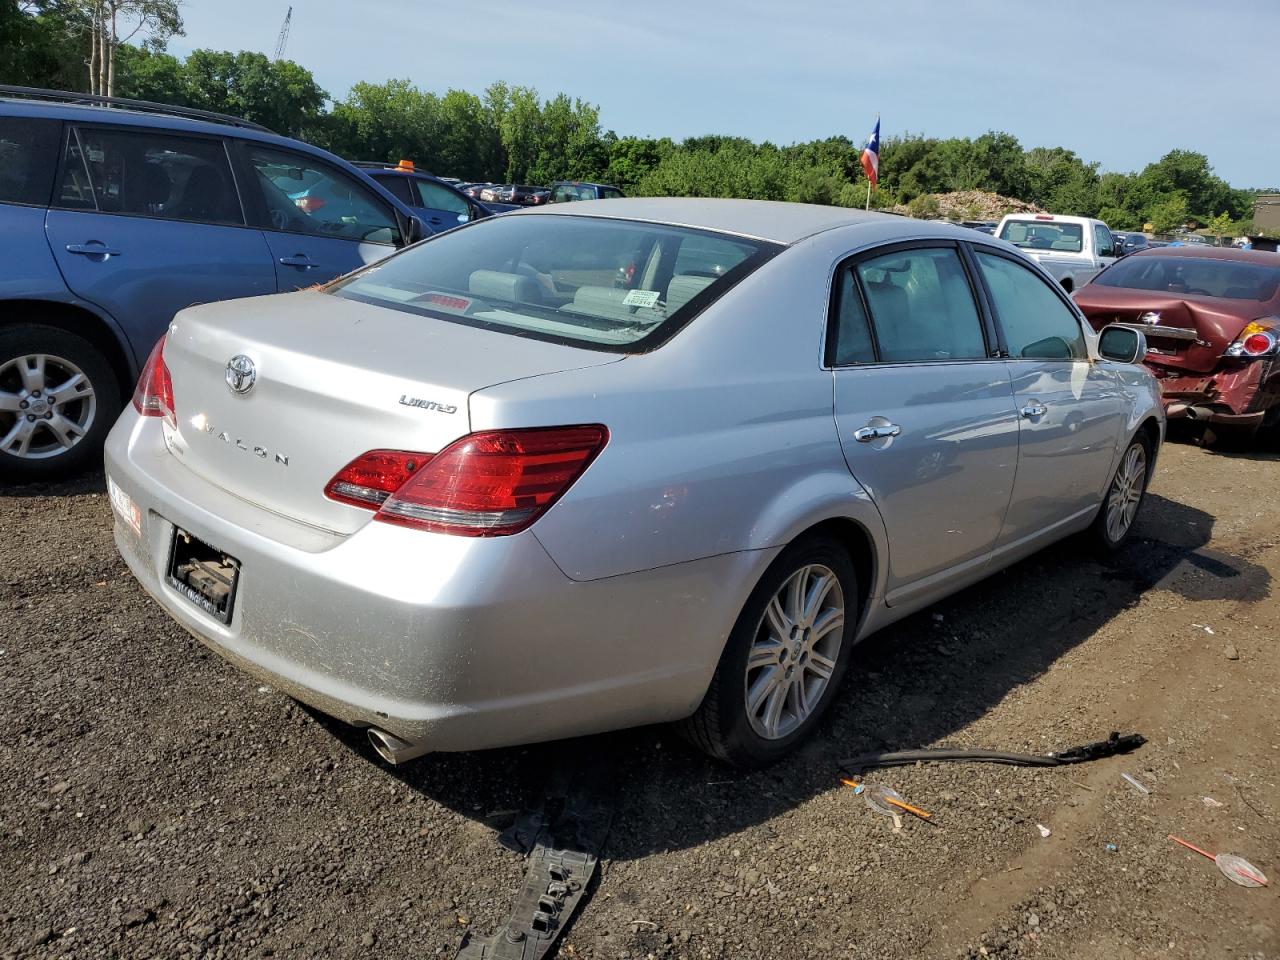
{"points": [[439, 204], [565, 191], [1211, 316], [1129, 242], [112, 220]]}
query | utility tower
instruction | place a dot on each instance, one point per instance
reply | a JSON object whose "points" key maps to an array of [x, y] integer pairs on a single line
{"points": [[284, 34]]}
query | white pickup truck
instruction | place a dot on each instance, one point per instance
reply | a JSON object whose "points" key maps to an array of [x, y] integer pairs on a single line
{"points": [[1073, 249]]}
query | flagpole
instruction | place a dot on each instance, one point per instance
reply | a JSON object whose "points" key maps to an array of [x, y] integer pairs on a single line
{"points": [[868, 207]]}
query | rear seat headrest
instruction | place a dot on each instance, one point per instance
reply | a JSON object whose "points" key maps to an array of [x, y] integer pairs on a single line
{"points": [[512, 287]]}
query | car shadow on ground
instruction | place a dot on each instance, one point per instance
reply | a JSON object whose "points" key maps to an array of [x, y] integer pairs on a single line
{"points": [[95, 481], [913, 684]]}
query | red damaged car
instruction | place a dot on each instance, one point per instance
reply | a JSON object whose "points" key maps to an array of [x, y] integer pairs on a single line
{"points": [[1212, 320]]}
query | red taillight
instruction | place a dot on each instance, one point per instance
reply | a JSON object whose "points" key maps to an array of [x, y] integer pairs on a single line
{"points": [[369, 479], [309, 203], [1257, 344], [153, 397], [486, 484]]}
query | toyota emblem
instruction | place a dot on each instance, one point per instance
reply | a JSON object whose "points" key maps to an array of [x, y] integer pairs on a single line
{"points": [[241, 374], [1151, 318]]}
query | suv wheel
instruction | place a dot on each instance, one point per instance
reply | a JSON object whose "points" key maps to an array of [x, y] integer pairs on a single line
{"points": [[1124, 497], [784, 660], [58, 398]]}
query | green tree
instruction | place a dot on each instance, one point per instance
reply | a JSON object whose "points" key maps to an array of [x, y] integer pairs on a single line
{"points": [[278, 94], [1168, 214]]}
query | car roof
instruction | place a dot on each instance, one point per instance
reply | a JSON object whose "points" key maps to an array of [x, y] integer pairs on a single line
{"points": [[122, 116], [1201, 251], [762, 219]]}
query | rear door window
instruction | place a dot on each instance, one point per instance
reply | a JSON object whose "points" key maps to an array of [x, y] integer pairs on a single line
{"points": [[1037, 324], [303, 195], [28, 158], [922, 306], [149, 173]]}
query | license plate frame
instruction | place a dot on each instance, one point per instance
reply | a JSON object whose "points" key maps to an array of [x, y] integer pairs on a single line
{"points": [[203, 575]]}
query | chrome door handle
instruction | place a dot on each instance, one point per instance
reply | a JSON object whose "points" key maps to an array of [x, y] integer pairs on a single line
{"points": [[93, 248], [867, 434], [1033, 410], [299, 260]]}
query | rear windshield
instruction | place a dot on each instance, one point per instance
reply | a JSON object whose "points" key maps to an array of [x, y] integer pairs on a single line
{"points": [[606, 284], [1044, 235], [1229, 279]]}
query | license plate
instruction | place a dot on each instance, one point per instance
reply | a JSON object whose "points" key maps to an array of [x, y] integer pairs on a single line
{"points": [[124, 507], [203, 574]]}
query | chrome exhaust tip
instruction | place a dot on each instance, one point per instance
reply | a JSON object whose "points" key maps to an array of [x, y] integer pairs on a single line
{"points": [[394, 750]]}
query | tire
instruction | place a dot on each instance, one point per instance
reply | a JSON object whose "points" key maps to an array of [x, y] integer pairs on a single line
{"points": [[809, 666], [1125, 494], [40, 440]]}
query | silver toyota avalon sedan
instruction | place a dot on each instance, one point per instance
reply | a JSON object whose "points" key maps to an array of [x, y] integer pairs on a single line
{"points": [[614, 463]]}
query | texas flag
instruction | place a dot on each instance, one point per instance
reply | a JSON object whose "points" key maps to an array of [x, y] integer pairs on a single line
{"points": [[871, 155]]}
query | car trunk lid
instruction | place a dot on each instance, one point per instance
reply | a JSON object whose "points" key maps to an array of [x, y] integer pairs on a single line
{"points": [[332, 378], [1184, 333]]}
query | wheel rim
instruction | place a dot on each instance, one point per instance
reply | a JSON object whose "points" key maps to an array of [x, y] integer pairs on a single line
{"points": [[1126, 492], [47, 406], [795, 650]]}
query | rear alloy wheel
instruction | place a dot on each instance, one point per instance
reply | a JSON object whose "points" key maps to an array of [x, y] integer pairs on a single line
{"points": [[784, 659], [1124, 497], [58, 397]]}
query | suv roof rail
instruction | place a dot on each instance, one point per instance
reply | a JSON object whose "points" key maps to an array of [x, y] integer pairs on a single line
{"points": [[145, 106]]}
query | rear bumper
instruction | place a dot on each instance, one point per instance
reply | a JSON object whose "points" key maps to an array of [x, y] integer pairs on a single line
{"points": [[1243, 393], [452, 643]]}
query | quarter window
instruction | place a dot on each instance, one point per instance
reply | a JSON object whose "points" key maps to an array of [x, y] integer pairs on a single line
{"points": [[853, 342], [303, 196], [922, 306], [150, 174], [28, 156], [400, 188], [1037, 325]]}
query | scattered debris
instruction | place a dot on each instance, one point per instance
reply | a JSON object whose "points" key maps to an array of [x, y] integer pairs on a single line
{"points": [[1236, 869], [1044, 831], [1113, 745], [1205, 627], [563, 839], [1230, 652], [1111, 848], [1083, 786], [1210, 802], [881, 798], [1134, 782]]}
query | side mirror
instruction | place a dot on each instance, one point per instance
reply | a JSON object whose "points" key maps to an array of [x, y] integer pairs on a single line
{"points": [[415, 230], [1122, 344]]}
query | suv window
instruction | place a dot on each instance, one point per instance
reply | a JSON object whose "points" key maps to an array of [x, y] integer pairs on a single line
{"points": [[922, 306], [28, 158], [148, 173], [306, 196], [1102, 241], [1037, 325], [440, 198], [609, 193], [399, 187]]}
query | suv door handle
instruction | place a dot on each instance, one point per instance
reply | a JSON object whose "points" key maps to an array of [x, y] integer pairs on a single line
{"points": [[94, 248], [299, 260], [867, 434], [1034, 409]]}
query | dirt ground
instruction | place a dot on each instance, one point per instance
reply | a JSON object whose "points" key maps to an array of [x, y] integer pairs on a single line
{"points": [[156, 802]]}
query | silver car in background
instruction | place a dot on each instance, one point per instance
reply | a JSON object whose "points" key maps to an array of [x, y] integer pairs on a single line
{"points": [[615, 463]]}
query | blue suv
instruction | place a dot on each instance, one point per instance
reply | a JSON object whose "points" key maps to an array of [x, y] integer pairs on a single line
{"points": [[114, 215]]}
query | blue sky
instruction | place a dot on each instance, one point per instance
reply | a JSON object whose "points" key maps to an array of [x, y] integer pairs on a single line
{"points": [[1120, 82]]}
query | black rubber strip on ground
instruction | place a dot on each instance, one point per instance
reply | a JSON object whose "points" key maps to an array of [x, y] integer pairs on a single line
{"points": [[1113, 746], [563, 839]]}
